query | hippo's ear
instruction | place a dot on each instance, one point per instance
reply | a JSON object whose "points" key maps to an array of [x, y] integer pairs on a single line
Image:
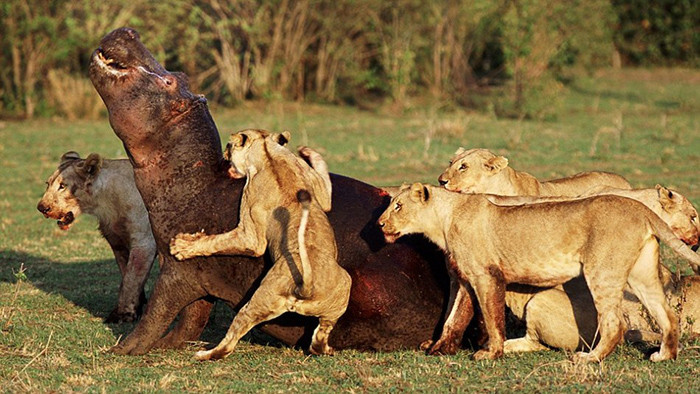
{"points": [[496, 164], [69, 156], [90, 167], [282, 138], [419, 193]]}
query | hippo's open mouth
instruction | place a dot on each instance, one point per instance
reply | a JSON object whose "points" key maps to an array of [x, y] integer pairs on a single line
{"points": [[109, 65], [65, 221]]}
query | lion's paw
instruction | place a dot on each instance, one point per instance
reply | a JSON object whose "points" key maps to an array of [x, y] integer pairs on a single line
{"points": [[443, 347], [585, 357], [484, 354], [182, 245]]}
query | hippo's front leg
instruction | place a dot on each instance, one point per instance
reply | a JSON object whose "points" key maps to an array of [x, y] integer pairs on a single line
{"points": [[172, 293]]}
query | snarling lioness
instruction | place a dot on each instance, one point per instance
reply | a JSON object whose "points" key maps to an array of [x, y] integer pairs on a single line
{"points": [[284, 201], [565, 317], [481, 171], [106, 189], [545, 245]]}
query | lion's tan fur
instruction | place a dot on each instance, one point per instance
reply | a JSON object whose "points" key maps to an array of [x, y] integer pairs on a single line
{"points": [[672, 207], [106, 189], [481, 171], [546, 244], [564, 317], [270, 216]]}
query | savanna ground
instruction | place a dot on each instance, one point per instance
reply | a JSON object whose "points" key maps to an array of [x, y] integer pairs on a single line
{"points": [[56, 287]]}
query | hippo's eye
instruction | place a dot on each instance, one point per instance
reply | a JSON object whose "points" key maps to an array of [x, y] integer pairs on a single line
{"points": [[463, 167], [397, 206]]}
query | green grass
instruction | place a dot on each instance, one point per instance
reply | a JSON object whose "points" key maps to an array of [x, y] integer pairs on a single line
{"points": [[51, 333]]}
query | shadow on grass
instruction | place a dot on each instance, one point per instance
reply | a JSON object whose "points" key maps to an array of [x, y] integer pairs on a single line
{"points": [[94, 286]]}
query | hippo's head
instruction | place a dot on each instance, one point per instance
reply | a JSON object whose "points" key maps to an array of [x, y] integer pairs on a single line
{"points": [[142, 97]]}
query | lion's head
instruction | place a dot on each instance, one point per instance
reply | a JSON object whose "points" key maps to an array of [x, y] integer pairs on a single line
{"points": [[246, 147], [404, 214], [68, 188], [679, 214], [470, 170]]}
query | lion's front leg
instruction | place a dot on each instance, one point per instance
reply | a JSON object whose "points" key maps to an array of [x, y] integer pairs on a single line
{"points": [[490, 290], [460, 313], [235, 242]]}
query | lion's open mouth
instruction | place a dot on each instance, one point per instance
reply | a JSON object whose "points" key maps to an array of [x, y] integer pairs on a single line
{"points": [[391, 238], [234, 174], [65, 222]]}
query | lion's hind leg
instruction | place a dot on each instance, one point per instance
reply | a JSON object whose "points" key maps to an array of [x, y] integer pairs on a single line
{"points": [[646, 285], [606, 288], [263, 306], [524, 344], [319, 342], [328, 310]]}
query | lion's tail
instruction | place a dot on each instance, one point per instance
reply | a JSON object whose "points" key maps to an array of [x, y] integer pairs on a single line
{"points": [[305, 288], [664, 233]]}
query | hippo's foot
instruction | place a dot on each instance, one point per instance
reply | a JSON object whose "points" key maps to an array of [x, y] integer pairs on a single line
{"points": [[128, 349], [117, 316]]}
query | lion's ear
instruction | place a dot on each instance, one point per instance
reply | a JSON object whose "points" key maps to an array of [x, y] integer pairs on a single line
{"points": [[282, 138], [496, 164], [665, 197], [238, 140], [227, 151], [91, 166], [459, 151], [69, 156], [419, 192]]}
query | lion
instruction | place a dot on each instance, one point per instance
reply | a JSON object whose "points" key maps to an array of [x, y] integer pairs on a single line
{"points": [[283, 197], [564, 317], [106, 189], [545, 244], [481, 171]]}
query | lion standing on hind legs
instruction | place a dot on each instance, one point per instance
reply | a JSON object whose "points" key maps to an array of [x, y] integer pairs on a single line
{"points": [[283, 197]]}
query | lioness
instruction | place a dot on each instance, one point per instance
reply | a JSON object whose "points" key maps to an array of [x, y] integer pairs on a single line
{"points": [[106, 189], [275, 211], [565, 317], [481, 171], [545, 245]]}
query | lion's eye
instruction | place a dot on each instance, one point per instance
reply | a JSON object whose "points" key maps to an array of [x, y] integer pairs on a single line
{"points": [[397, 207], [61, 186], [462, 167], [693, 218]]}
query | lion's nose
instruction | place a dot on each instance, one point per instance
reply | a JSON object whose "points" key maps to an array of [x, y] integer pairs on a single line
{"points": [[43, 208], [381, 224], [443, 182]]}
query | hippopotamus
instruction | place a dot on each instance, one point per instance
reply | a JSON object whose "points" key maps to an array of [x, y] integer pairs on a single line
{"points": [[398, 294]]}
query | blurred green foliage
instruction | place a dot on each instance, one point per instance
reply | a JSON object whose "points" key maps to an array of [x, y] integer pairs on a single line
{"points": [[661, 32], [367, 52]]}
